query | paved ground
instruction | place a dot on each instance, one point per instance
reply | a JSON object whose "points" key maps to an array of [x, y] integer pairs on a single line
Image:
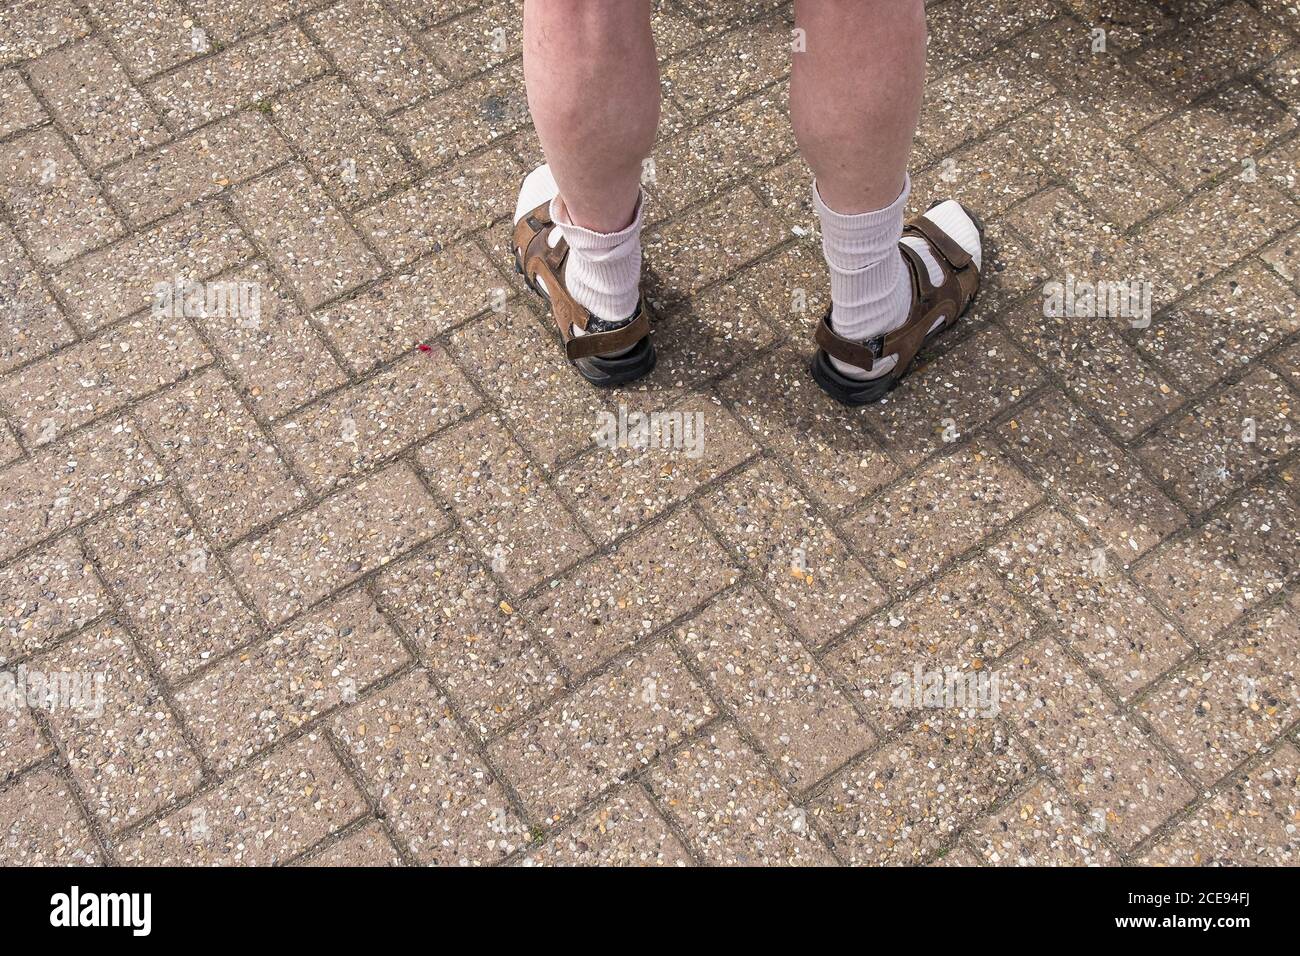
{"points": [[345, 577]]}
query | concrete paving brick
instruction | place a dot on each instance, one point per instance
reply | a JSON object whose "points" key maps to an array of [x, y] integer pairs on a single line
{"points": [[898, 806], [507, 509], [912, 529], [1211, 576], [957, 393], [611, 727], [1282, 78], [779, 692], [43, 825], [607, 484], [97, 469], [688, 254], [92, 98], [124, 745], [1235, 39], [28, 28], [21, 742], [1221, 444], [1251, 823], [353, 155], [262, 816], [1216, 135], [417, 306], [612, 601], [309, 556], [180, 603], [278, 360], [712, 158], [483, 38], [475, 644], [383, 61], [991, 175], [732, 810], [448, 206], [1092, 476], [1040, 827], [359, 428], [467, 118], [626, 831], [1098, 367], [1216, 712], [516, 358], [1100, 83], [1242, 217], [962, 622], [368, 847], [1222, 327], [778, 533], [1106, 762], [837, 459], [729, 68], [151, 35], [32, 324], [1083, 149], [46, 596], [97, 376], [305, 235], [1057, 569], [237, 77], [56, 207], [227, 20], [523, 647], [229, 473], [247, 702], [194, 167], [154, 269], [444, 804], [18, 107], [972, 102], [965, 30]]}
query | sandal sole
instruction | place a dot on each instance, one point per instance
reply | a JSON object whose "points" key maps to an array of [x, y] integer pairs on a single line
{"points": [[638, 362]]}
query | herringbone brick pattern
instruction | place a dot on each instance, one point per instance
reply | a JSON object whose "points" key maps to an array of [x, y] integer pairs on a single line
{"points": [[362, 588]]}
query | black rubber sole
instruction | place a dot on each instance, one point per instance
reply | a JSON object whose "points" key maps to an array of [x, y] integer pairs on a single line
{"points": [[856, 391], [637, 362]]}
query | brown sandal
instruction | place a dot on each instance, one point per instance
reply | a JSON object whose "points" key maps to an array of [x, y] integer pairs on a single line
{"points": [[607, 353], [949, 301]]}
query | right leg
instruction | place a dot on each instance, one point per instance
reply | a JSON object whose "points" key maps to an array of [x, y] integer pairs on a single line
{"points": [[855, 96]]}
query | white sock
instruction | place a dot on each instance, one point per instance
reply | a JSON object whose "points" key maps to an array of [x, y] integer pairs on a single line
{"points": [[870, 292], [603, 272], [876, 296]]}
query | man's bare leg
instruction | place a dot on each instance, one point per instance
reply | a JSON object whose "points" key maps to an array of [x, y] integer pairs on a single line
{"points": [[593, 89], [855, 98], [855, 95]]}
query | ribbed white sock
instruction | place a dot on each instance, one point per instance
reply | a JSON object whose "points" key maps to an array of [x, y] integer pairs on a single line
{"points": [[603, 273], [870, 290], [870, 293]]}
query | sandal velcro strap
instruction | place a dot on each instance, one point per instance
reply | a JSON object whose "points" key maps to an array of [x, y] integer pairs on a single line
{"points": [[862, 355], [947, 246], [615, 340], [904, 341]]}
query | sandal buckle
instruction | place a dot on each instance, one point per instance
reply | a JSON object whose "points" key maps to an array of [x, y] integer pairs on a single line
{"points": [[876, 346]]}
